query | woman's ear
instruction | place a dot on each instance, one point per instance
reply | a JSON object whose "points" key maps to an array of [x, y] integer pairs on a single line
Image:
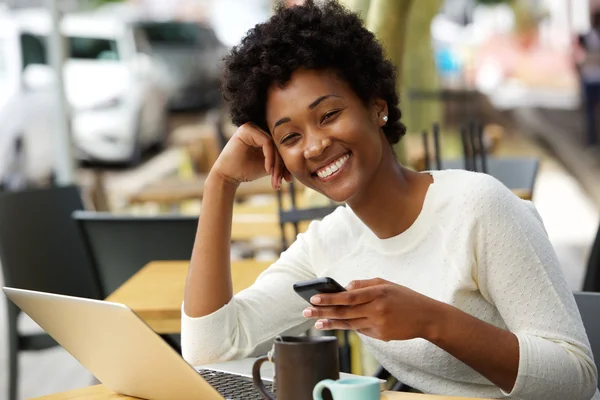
{"points": [[380, 111]]}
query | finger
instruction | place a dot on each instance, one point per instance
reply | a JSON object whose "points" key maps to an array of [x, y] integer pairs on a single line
{"points": [[275, 172], [278, 171], [274, 181], [348, 298], [335, 312], [343, 324], [253, 136], [268, 152], [365, 283], [258, 128]]}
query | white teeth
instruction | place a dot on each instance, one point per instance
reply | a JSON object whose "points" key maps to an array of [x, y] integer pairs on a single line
{"points": [[333, 167]]}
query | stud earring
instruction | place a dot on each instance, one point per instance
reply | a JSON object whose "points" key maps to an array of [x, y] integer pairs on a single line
{"points": [[385, 118]]}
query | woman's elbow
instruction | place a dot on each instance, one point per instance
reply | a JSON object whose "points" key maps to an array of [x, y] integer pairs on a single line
{"points": [[589, 380], [197, 354]]}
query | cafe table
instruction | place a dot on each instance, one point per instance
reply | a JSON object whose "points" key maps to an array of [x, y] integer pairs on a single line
{"points": [[171, 191], [155, 292], [100, 392]]}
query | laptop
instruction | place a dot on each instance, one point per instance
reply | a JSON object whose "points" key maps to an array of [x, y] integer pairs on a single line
{"points": [[127, 356]]}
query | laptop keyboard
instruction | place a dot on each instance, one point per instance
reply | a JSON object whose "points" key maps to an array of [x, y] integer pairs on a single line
{"points": [[233, 387]]}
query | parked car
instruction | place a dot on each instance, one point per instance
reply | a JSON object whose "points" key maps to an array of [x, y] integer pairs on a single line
{"points": [[117, 94], [192, 54], [26, 110]]}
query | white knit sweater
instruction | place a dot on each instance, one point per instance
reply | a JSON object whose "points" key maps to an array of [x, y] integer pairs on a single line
{"points": [[474, 245]]}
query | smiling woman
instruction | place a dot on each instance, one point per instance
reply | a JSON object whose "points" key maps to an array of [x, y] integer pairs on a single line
{"points": [[452, 283], [335, 144]]}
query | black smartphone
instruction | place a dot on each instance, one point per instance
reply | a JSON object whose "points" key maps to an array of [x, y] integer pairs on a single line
{"points": [[307, 289]]}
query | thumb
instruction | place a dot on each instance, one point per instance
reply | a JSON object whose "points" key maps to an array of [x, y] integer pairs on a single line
{"points": [[365, 283]]}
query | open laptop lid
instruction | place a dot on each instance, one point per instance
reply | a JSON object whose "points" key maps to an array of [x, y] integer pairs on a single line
{"points": [[115, 345]]}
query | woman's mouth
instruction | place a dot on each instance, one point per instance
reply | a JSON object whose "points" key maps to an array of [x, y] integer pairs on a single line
{"points": [[330, 171]]}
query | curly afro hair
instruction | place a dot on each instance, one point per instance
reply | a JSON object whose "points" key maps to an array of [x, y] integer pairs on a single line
{"points": [[310, 36]]}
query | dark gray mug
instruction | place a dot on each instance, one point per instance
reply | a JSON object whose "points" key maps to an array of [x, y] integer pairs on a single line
{"points": [[300, 363]]}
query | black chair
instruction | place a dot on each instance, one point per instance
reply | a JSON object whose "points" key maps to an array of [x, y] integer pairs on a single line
{"points": [[591, 281], [589, 308], [516, 173], [120, 245], [294, 215], [41, 249]]}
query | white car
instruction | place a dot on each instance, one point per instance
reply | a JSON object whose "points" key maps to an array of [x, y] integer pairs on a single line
{"points": [[117, 95], [26, 113]]}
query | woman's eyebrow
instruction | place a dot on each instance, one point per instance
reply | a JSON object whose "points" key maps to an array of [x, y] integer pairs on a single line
{"points": [[281, 121]]}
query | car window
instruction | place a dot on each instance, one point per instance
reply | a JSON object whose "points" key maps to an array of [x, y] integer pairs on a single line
{"points": [[178, 34], [33, 49], [93, 48]]}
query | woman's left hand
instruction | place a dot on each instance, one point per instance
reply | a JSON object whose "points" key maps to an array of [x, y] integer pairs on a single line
{"points": [[376, 308]]}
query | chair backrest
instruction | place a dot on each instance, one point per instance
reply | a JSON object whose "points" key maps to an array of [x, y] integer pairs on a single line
{"points": [[591, 281], [121, 245], [40, 246], [294, 215], [589, 308]]}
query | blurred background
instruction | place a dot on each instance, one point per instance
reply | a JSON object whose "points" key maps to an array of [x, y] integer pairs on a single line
{"points": [[121, 99]]}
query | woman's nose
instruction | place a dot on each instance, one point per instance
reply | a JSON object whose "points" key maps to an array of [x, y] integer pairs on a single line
{"points": [[317, 147]]}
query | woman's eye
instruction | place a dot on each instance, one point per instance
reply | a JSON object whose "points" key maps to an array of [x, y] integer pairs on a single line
{"points": [[289, 138], [329, 115]]}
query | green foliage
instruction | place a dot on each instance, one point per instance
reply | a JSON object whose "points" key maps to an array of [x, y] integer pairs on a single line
{"points": [[97, 3], [492, 2]]}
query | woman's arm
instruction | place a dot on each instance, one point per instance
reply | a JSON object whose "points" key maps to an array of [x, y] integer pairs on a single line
{"points": [[249, 155], [491, 351], [247, 324], [387, 311], [208, 286], [544, 353], [517, 271], [216, 326]]}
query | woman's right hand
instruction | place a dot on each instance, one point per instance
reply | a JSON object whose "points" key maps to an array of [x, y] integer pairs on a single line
{"points": [[250, 154]]}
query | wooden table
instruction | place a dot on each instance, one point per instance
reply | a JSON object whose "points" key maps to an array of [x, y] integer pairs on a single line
{"points": [[246, 227], [99, 392], [155, 292], [176, 190]]}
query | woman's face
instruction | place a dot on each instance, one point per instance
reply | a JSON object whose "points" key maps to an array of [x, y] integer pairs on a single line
{"points": [[327, 137]]}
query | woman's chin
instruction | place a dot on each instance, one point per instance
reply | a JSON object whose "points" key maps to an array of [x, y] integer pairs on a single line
{"points": [[339, 194]]}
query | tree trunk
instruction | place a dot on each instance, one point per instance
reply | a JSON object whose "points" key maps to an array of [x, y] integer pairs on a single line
{"points": [[388, 20], [419, 70]]}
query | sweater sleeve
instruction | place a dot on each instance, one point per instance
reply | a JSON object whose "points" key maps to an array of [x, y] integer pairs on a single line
{"points": [[247, 325], [518, 271]]}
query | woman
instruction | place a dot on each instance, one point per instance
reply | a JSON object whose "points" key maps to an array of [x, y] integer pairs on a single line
{"points": [[452, 283]]}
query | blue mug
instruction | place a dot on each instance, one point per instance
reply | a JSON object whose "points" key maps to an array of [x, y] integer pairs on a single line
{"points": [[356, 388]]}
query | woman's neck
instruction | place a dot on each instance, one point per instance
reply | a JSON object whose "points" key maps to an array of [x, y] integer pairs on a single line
{"points": [[393, 200]]}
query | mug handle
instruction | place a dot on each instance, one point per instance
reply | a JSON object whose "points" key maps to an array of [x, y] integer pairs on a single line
{"points": [[324, 384], [258, 380]]}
